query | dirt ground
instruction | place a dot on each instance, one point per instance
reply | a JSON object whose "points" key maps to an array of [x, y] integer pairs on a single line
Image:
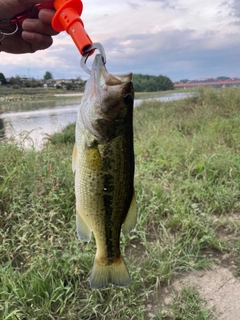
{"points": [[218, 287]]}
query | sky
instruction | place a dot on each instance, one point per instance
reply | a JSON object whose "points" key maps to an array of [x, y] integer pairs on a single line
{"points": [[181, 39]]}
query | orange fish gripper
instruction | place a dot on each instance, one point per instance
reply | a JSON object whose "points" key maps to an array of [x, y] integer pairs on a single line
{"points": [[67, 17]]}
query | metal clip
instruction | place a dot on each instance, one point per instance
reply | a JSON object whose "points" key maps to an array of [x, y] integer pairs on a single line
{"points": [[8, 33], [1, 39], [89, 51]]}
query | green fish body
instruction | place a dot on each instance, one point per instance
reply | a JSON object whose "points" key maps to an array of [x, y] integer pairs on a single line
{"points": [[103, 162]]}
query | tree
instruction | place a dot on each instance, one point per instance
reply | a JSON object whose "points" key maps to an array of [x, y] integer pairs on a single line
{"points": [[48, 75], [31, 83], [69, 86], [15, 81], [184, 80], [164, 83], [223, 78], [2, 78], [147, 83]]}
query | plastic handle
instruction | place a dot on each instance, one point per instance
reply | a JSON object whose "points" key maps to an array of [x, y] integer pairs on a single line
{"points": [[67, 17]]}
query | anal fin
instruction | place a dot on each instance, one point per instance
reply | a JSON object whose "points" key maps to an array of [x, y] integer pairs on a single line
{"points": [[131, 218]]}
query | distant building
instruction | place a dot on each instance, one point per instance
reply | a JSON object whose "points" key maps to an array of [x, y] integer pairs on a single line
{"points": [[216, 83]]}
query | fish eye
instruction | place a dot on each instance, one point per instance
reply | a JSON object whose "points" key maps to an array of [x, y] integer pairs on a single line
{"points": [[127, 98]]}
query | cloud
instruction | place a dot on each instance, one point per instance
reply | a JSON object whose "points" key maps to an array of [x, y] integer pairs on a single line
{"points": [[235, 11], [166, 3], [197, 63], [134, 5], [174, 53], [236, 8], [171, 37], [61, 61]]}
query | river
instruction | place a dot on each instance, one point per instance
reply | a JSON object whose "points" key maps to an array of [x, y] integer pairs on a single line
{"points": [[32, 121]]}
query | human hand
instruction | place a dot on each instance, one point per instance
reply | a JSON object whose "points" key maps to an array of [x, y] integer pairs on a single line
{"points": [[34, 34]]}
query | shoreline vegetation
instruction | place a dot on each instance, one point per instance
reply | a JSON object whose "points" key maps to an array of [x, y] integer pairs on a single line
{"points": [[32, 95], [14, 97], [187, 181]]}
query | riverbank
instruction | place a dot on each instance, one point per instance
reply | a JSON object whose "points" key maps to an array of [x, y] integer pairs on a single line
{"points": [[14, 97], [10, 95], [36, 119], [187, 185]]}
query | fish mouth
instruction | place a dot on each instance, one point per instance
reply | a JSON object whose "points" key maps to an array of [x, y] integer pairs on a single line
{"points": [[110, 89], [104, 79], [99, 71]]}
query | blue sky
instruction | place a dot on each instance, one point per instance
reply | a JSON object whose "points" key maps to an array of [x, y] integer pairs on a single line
{"points": [[177, 38]]}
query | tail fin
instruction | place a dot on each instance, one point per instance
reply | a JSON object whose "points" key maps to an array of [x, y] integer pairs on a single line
{"points": [[115, 273]]}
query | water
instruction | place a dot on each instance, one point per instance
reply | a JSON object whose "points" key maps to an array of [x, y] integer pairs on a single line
{"points": [[168, 97], [31, 122]]}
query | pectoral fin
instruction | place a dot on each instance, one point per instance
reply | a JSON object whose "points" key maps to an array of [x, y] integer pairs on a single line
{"points": [[83, 232], [131, 217], [94, 160], [74, 158]]}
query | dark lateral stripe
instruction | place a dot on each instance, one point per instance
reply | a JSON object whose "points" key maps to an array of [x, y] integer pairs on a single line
{"points": [[108, 201]]}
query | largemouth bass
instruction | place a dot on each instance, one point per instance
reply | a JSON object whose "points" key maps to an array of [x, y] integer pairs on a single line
{"points": [[103, 162]]}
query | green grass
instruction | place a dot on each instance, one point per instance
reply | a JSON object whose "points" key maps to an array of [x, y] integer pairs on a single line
{"points": [[187, 185], [188, 305], [67, 136]]}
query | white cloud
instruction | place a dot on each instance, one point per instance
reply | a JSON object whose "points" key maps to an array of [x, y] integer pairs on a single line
{"points": [[147, 36]]}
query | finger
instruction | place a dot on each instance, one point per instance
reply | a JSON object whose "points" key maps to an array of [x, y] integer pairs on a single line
{"points": [[37, 26], [11, 8], [30, 3], [46, 15], [38, 41], [15, 44]]}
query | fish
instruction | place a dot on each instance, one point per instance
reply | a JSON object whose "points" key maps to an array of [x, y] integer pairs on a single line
{"points": [[103, 164]]}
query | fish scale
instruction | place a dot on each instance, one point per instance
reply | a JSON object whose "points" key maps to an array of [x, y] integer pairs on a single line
{"points": [[103, 162]]}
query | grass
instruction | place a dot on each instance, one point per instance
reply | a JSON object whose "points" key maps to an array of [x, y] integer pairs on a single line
{"points": [[157, 94], [65, 137], [187, 185], [188, 305]]}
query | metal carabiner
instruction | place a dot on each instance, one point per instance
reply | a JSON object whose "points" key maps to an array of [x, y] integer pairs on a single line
{"points": [[1, 39], [10, 33], [89, 52]]}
